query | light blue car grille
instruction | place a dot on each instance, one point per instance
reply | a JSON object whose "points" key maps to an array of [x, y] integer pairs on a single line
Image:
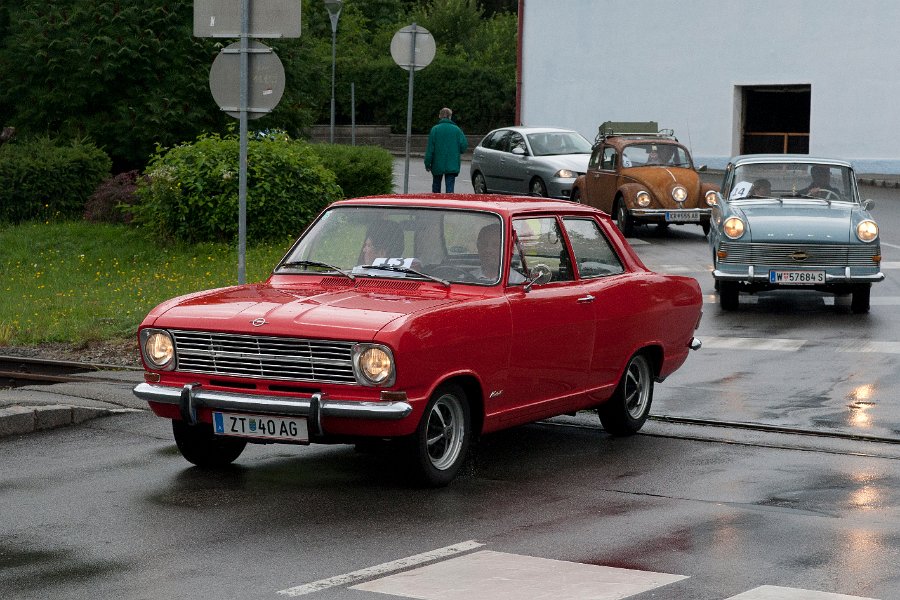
{"points": [[213, 353], [782, 255]]}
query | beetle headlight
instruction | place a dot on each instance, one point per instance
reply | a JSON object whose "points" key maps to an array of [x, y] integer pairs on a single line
{"points": [[373, 364], [867, 230], [642, 199], [158, 349], [566, 174], [733, 227], [712, 198], [679, 194]]}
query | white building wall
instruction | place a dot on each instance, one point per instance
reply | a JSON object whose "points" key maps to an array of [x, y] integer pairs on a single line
{"points": [[681, 63]]}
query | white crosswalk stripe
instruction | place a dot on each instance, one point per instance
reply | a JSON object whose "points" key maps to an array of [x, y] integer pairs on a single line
{"points": [[745, 343], [771, 592]]}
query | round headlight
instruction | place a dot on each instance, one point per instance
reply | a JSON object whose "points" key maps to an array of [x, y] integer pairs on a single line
{"points": [[733, 227], [679, 193], [712, 198], [374, 365], [643, 199], [867, 230], [158, 349], [566, 174]]}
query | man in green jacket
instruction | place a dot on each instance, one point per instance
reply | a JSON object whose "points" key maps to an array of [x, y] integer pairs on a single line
{"points": [[446, 142]]}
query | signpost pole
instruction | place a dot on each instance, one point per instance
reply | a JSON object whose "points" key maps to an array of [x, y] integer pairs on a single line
{"points": [[242, 176], [409, 104]]}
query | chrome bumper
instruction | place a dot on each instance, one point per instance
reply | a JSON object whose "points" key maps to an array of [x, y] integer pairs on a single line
{"points": [[661, 212], [752, 276], [695, 344], [192, 396]]}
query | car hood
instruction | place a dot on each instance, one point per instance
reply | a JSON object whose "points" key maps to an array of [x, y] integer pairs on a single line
{"points": [[790, 222], [660, 181], [574, 162], [345, 312]]}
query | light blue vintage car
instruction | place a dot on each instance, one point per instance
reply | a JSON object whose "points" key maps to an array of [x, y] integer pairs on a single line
{"points": [[793, 221]]}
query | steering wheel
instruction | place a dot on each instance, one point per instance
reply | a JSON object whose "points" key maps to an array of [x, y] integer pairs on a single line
{"points": [[827, 194], [451, 272]]}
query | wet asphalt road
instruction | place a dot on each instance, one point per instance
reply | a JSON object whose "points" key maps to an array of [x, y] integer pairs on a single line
{"points": [[108, 509]]}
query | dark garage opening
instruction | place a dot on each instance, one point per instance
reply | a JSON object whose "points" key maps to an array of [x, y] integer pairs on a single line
{"points": [[776, 120]]}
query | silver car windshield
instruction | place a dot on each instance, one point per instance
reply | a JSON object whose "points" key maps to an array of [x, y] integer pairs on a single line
{"points": [[798, 181], [551, 143], [401, 242]]}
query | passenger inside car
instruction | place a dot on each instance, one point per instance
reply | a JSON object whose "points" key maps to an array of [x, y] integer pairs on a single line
{"points": [[384, 239]]}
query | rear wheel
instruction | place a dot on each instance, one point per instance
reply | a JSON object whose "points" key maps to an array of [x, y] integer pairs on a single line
{"points": [[442, 439], [625, 413], [623, 219], [478, 184], [860, 302], [729, 295], [199, 445]]}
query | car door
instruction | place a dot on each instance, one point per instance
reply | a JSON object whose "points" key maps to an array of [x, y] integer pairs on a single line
{"points": [[553, 327], [514, 165], [601, 182], [493, 149]]}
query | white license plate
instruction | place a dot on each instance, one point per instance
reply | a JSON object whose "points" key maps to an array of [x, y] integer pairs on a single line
{"points": [[686, 216], [797, 277], [261, 426]]}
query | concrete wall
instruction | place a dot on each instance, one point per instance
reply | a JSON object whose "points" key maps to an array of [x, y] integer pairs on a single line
{"points": [[380, 135], [683, 63]]}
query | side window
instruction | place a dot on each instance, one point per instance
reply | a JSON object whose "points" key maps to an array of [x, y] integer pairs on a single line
{"points": [[609, 159], [594, 255], [541, 243], [517, 141], [594, 163], [495, 141]]}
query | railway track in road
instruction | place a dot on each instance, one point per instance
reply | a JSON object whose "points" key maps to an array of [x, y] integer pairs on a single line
{"points": [[17, 371]]}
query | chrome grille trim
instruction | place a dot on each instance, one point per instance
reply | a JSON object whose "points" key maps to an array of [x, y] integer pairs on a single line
{"points": [[263, 357], [819, 255]]}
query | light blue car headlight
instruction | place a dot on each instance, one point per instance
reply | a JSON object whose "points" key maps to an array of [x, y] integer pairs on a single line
{"points": [[867, 231]]}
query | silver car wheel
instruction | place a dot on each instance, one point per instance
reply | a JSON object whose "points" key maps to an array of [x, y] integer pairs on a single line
{"points": [[445, 431], [636, 388], [478, 184]]}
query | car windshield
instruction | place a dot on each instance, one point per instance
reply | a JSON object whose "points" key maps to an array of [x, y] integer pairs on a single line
{"points": [[800, 181], [550, 143], [652, 154], [401, 242]]}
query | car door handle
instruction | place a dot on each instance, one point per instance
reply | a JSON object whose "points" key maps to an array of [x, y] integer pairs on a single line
{"points": [[586, 299]]}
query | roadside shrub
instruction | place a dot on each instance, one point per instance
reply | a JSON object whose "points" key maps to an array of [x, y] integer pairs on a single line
{"points": [[190, 192], [112, 201], [360, 170], [44, 179]]}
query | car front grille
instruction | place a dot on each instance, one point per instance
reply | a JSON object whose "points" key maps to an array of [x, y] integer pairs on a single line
{"points": [[253, 356], [787, 255]]}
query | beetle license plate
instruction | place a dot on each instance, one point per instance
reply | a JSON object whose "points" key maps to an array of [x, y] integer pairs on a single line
{"points": [[685, 216], [287, 429], [797, 277]]}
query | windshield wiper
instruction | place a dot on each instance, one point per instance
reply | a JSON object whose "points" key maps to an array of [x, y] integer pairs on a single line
{"points": [[315, 263], [406, 270]]}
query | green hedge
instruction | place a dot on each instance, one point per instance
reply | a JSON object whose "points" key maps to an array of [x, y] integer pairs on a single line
{"points": [[44, 179], [360, 170], [190, 192]]}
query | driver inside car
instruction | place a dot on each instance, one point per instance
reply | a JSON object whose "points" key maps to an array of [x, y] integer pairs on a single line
{"points": [[821, 183]]}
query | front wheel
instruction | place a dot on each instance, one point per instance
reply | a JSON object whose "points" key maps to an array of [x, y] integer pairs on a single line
{"points": [[624, 414], [623, 219], [706, 227], [860, 302], [729, 295], [199, 445], [442, 439], [478, 184], [576, 195], [538, 188]]}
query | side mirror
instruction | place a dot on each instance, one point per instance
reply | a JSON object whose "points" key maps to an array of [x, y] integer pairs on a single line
{"points": [[701, 169], [868, 204], [518, 151], [539, 275]]}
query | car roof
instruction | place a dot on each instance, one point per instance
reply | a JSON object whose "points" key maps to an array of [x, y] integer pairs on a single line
{"points": [[745, 159], [524, 129], [504, 205]]}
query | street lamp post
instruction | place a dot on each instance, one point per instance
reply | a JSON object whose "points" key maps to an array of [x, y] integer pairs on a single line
{"points": [[334, 13]]}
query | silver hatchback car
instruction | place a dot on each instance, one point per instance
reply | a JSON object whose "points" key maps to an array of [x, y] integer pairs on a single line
{"points": [[540, 161]]}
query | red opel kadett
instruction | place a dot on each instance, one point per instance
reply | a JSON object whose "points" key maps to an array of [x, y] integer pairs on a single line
{"points": [[428, 319]]}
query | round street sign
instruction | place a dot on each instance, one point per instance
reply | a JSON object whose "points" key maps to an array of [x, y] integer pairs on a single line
{"points": [[265, 78], [402, 47]]}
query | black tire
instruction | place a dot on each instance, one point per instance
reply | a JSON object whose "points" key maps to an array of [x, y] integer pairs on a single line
{"points": [[479, 186], [623, 219], [626, 411], [729, 295], [705, 225], [443, 437], [537, 187], [860, 302], [199, 445], [576, 195]]}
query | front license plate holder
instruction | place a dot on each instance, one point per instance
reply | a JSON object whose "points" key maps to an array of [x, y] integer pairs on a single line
{"points": [[793, 277], [261, 427], [686, 216]]}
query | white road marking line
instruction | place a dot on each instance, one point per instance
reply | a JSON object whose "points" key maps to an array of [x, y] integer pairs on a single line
{"points": [[772, 592], [890, 245], [381, 569], [869, 346], [743, 343], [489, 575], [890, 265]]}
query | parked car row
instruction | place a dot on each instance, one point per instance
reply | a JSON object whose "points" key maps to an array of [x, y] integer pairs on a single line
{"points": [[781, 221]]}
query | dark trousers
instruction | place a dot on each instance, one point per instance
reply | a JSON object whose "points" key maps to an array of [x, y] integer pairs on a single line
{"points": [[449, 182]]}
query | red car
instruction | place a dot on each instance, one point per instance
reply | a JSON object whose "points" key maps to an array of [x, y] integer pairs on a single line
{"points": [[426, 319]]}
